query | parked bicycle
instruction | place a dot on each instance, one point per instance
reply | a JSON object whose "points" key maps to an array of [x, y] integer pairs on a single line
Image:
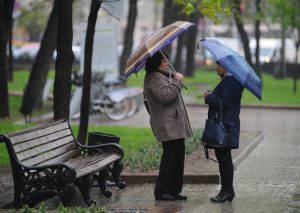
{"points": [[111, 98]]}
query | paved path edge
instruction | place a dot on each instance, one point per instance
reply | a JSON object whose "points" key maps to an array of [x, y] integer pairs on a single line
{"points": [[248, 150]]}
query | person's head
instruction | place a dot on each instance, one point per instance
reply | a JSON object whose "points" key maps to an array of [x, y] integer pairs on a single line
{"points": [[157, 61], [220, 69]]}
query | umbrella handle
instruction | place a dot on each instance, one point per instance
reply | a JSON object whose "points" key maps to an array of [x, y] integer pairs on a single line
{"points": [[171, 66]]}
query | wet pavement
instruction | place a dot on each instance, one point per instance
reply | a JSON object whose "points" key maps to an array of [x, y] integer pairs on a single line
{"points": [[268, 180]]}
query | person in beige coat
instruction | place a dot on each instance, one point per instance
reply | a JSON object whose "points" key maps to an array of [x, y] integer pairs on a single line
{"points": [[170, 125]]}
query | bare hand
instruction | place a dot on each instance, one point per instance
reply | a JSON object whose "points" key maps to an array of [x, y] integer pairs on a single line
{"points": [[178, 76], [206, 93]]}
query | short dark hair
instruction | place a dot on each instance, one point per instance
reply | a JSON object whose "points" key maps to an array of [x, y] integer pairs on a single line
{"points": [[153, 63]]}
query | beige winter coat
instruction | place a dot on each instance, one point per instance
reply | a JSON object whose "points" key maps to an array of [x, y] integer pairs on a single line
{"points": [[168, 116]]}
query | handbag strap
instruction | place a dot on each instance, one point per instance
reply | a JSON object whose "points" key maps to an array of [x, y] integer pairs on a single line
{"points": [[207, 155], [208, 158], [220, 109]]}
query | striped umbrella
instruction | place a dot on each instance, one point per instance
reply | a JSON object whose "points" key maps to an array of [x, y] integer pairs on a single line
{"points": [[154, 43]]}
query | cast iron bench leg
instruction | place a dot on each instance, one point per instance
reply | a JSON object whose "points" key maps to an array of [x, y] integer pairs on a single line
{"points": [[84, 184], [116, 173], [101, 179]]}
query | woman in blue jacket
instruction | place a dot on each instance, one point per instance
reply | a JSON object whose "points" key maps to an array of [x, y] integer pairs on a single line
{"points": [[229, 92]]}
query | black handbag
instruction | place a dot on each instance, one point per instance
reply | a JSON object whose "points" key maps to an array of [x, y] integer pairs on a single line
{"points": [[216, 133]]}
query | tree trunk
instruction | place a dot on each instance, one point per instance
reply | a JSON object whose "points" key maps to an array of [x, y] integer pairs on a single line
{"points": [[168, 17], [9, 20], [64, 61], [4, 106], [257, 37], [41, 65], [168, 12], [296, 67], [128, 39], [281, 71], [241, 30], [86, 90], [178, 58], [191, 45]]}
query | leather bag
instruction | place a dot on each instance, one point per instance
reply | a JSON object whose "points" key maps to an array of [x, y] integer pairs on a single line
{"points": [[216, 133]]}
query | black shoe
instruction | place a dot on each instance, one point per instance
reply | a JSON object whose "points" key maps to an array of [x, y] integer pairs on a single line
{"points": [[223, 197], [165, 197], [180, 197]]}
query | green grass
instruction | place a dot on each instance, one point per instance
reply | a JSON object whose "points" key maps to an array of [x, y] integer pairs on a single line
{"points": [[142, 151], [20, 78], [275, 91], [7, 126]]}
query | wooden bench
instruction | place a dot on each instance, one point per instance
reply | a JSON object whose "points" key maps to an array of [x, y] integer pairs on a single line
{"points": [[47, 161]]}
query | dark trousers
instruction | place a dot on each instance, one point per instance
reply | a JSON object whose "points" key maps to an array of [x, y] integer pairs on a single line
{"points": [[170, 177], [225, 168]]}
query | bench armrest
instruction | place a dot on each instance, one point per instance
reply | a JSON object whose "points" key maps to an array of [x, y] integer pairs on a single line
{"points": [[60, 171], [3, 138], [109, 147]]}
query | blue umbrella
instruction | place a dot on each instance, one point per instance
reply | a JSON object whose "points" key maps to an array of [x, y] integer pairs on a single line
{"points": [[235, 64]]}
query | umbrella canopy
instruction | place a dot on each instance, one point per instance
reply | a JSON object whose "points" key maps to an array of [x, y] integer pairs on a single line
{"points": [[235, 64], [153, 44]]}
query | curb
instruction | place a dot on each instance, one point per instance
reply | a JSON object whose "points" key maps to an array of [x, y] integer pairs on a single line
{"points": [[195, 178], [250, 106], [248, 150], [188, 178]]}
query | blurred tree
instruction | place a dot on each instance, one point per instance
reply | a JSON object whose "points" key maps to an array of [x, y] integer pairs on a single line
{"points": [[34, 18], [191, 10], [86, 90], [64, 61], [34, 89], [237, 14], [168, 18], [9, 21], [258, 17], [295, 24], [4, 106], [191, 44], [282, 11], [128, 37], [173, 12], [168, 12]]}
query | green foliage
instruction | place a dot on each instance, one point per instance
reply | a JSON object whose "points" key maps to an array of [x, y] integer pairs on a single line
{"points": [[192, 143], [212, 9], [285, 12], [34, 18], [148, 157], [61, 209]]}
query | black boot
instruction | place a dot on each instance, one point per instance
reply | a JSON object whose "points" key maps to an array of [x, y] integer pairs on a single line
{"points": [[223, 196]]}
